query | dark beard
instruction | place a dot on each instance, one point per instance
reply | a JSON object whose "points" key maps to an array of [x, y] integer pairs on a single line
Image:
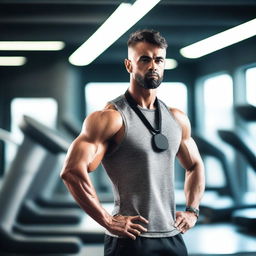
{"points": [[148, 82]]}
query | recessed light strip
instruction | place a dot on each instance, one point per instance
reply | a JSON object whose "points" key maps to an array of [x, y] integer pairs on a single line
{"points": [[220, 40], [123, 18], [12, 61], [31, 45]]}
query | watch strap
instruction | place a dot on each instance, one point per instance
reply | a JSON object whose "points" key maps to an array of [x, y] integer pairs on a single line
{"points": [[193, 210]]}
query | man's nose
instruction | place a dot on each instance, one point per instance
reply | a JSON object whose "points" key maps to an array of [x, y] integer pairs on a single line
{"points": [[153, 65]]}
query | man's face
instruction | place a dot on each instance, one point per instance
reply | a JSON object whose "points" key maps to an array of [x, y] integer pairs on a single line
{"points": [[146, 64]]}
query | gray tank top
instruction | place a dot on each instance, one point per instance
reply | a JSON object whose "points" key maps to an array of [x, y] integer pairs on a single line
{"points": [[142, 179]]}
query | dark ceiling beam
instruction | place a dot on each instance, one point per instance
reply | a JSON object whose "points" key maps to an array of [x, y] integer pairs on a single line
{"points": [[115, 2], [185, 16], [73, 2], [53, 20], [176, 15], [68, 33], [208, 2]]}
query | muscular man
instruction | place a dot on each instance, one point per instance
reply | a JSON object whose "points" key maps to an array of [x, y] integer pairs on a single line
{"points": [[137, 137]]}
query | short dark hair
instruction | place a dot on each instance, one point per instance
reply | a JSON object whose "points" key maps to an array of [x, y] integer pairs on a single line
{"points": [[149, 36]]}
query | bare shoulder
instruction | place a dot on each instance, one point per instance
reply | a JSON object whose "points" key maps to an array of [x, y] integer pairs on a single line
{"points": [[182, 119], [102, 125]]}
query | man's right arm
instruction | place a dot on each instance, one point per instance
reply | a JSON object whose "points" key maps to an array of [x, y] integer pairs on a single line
{"points": [[84, 155]]}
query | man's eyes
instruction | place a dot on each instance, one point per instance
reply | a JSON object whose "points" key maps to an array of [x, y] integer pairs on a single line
{"points": [[144, 59], [160, 60]]}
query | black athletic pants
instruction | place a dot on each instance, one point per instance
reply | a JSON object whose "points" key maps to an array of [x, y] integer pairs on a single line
{"points": [[144, 246]]}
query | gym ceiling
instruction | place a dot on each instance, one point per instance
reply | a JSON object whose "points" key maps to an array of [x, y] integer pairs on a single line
{"points": [[182, 22]]}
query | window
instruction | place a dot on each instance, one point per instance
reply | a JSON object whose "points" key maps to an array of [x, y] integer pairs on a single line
{"points": [[42, 109], [250, 80], [216, 113], [250, 77], [174, 95], [98, 94], [218, 105]]}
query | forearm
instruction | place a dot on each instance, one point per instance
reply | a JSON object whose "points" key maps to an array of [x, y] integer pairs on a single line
{"points": [[85, 195], [194, 185]]}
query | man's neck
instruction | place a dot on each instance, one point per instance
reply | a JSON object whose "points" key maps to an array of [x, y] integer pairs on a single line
{"points": [[144, 97]]}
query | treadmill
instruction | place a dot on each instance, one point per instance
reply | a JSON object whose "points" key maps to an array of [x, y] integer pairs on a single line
{"points": [[73, 127], [217, 204], [19, 177], [246, 215]]}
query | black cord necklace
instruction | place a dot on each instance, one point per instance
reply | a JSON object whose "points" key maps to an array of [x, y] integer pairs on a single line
{"points": [[159, 141]]}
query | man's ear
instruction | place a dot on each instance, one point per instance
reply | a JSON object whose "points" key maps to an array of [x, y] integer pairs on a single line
{"points": [[128, 65]]}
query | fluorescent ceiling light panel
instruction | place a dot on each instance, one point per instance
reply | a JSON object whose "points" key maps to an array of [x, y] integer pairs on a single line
{"points": [[12, 61], [122, 19], [170, 64], [31, 45], [220, 40]]}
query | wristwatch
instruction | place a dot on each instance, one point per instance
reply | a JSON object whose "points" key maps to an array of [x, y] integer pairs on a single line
{"points": [[192, 209]]}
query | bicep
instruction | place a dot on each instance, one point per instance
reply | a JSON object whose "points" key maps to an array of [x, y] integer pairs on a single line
{"points": [[188, 153], [89, 148], [84, 155]]}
